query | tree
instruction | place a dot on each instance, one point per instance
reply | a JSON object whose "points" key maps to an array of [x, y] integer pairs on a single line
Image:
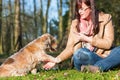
{"points": [[9, 30], [67, 18], [1, 50], [45, 18], [60, 26], [18, 27], [35, 20]]}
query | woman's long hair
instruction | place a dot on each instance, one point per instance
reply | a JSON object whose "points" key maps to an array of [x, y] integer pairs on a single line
{"points": [[90, 3]]}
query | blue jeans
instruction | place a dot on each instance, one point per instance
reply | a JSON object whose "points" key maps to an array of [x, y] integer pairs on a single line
{"points": [[84, 56]]}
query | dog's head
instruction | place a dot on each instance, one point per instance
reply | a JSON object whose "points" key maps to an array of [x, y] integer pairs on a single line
{"points": [[49, 41]]}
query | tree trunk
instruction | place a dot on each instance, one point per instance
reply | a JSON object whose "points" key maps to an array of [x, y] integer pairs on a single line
{"points": [[41, 17], [63, 42], [60, 34], [1, 48], [18, 27], [9, 31], [45, 24], [35, 20]]}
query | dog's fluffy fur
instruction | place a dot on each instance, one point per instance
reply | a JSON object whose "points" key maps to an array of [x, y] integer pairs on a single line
{"points": [[26, 59]]}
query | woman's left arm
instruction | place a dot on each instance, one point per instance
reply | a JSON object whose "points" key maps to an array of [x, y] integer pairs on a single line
{"points": [[106, 41]]}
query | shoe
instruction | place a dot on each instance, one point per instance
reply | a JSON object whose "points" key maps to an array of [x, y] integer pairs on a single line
{"points": [[118, 74], [90, 68]]}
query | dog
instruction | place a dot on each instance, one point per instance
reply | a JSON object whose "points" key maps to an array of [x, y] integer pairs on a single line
{"points": [[26, 59]]}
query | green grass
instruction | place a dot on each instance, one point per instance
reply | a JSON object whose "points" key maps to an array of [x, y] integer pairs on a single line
{"points": [[67, 75]]}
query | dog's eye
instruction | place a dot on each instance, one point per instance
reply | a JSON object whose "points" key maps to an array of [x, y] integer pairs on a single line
{"points": [[53, 41]]}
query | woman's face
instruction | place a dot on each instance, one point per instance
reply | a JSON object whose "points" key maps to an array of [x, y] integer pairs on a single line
{"points": [[85, 11]]}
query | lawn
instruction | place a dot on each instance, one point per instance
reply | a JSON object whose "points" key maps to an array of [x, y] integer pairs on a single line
{"points": [[70, 74], [64, 72]]}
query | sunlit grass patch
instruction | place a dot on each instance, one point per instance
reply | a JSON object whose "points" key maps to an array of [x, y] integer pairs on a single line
{"points": [[67, 75]]}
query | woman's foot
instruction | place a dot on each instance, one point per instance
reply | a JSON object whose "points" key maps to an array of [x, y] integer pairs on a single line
{"points": [[90, 68], [118, 74]]}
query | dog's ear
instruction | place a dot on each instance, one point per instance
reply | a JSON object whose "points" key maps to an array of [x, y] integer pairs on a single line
{"points": [[48, 43], [52, 43]]}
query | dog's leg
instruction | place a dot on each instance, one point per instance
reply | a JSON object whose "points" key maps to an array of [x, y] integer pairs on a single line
{"points": [[16, 73], [34, 71], [46, 58]]}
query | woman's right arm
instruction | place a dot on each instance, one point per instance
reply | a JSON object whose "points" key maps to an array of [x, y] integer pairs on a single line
{"points": [[68, 51]]}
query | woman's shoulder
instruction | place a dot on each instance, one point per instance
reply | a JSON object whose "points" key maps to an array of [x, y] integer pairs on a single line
{"points": [[101, 13], [75, 21], [104, 16]]}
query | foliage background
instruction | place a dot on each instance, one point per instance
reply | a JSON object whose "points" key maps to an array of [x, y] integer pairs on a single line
{"points": [[21, 21], [24, 20]]}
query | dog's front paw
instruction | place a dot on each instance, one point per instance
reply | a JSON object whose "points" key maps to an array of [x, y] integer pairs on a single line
{"points": [[34, 71]]}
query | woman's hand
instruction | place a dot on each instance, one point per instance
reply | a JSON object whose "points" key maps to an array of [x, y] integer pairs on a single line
{"points": [[82, 37], [85, 38], [49, 65]]}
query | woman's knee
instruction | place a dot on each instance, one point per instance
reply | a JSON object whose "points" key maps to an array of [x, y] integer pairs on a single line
{"points": [[81, 54]]}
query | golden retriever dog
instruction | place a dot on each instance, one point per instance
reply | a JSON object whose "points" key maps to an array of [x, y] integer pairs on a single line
{"points": [[27, 58]]}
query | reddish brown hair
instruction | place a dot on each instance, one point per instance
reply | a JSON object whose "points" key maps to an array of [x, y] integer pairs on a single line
{"points": [[91, 4]]}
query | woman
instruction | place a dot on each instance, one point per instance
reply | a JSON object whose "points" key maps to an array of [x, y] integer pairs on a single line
{"points": [[95, 50]]}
